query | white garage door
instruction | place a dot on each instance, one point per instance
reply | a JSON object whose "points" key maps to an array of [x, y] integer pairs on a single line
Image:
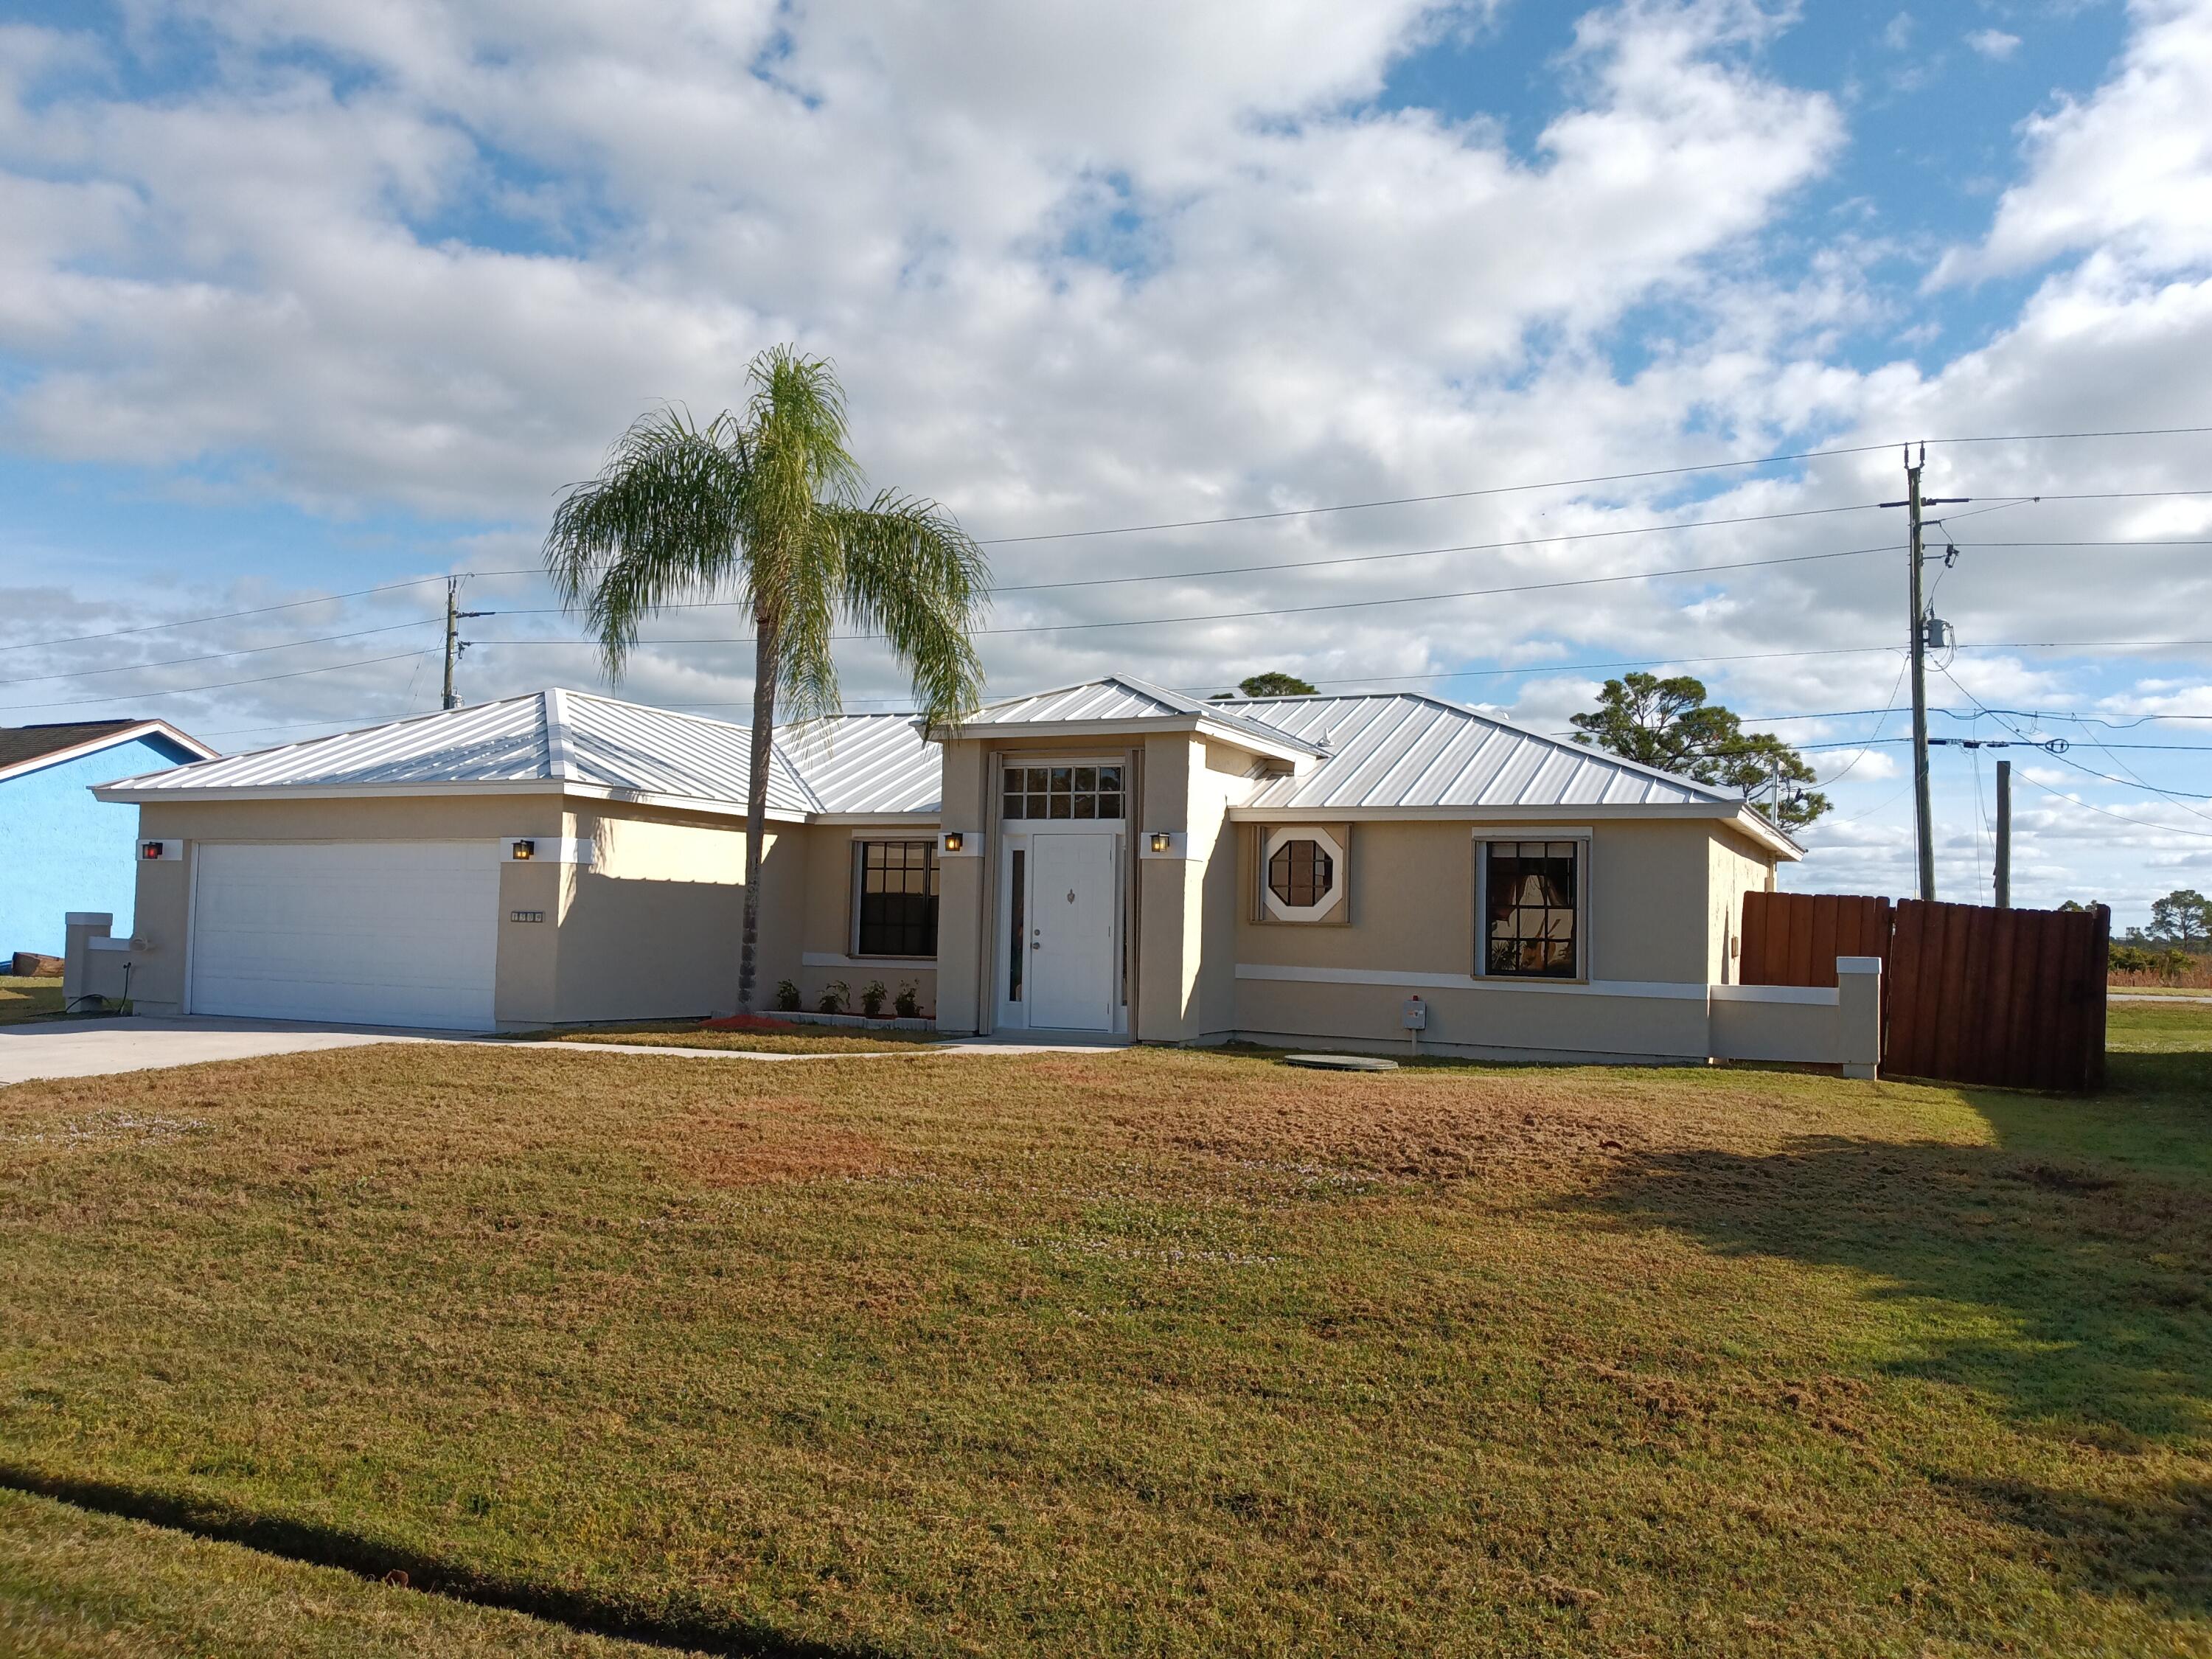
{"points": [[368, 933]]}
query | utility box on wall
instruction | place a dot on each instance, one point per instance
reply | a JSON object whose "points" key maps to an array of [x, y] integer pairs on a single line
{"points": [[1414, 1014]]}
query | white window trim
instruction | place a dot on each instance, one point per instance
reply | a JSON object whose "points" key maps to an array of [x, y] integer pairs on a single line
{"points": [[1272, 841], [857, 858], [1045, 758], [1583, 839]]}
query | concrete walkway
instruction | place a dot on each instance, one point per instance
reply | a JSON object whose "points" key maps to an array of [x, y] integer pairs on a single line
{"points": [[98, 1047]]}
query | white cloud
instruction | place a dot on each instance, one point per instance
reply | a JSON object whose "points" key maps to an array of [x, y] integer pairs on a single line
{"points": [[1085, 268], [2128, 171], [1993, 43]]}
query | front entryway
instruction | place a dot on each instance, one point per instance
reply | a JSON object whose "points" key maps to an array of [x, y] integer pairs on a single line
{"points": [[1061, 902], [1072, 931]]}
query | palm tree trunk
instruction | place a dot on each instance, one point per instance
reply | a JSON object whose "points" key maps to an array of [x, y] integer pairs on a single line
{"points": [[764, 675]]}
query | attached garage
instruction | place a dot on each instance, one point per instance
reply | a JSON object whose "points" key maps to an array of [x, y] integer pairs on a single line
{"points": [[550, 859], [392, 932]]}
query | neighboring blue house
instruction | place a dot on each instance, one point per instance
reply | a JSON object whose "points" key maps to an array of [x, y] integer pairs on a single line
{"points": [[61, 850]]}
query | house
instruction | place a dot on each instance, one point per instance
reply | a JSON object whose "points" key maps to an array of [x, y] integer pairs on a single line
{"points": [[1113, 860], [66, 851]]}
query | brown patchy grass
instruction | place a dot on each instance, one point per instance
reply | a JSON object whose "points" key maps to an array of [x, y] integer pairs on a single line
{"points": [[792, 1039], [1144, 1352]]}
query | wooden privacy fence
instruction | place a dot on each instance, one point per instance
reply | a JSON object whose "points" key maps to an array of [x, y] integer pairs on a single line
{"points": [[1970, 994], [1793, 938]]}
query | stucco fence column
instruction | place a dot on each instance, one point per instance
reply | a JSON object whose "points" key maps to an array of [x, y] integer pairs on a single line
{"points": [[1858, 1015]]}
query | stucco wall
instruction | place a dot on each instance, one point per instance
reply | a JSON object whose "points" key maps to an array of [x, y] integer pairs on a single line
{"points": [[651, 929], [64, 850], [826, 924], [1660, 892], [1413, 901], [1737, 866]]}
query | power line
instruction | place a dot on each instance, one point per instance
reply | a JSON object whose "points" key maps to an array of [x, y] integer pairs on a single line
{"points": [[1427, 552], [2159, 829], [1570, 483], [258, 610], [213, 656], [225, 685], [1302, 610]]}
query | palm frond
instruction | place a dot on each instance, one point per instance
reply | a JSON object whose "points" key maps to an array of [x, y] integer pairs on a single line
{"points": [[664, 521], [912, 572]]}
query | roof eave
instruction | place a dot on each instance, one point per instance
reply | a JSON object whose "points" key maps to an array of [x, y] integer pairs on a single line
{"points": [[130, 733], [1281, 747], [434, 791], [1733, 813]]}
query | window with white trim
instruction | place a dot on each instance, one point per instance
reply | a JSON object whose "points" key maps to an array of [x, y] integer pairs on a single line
{"points": [[1062, 791], [1302, 873], [1531, 908], [894, 900]]}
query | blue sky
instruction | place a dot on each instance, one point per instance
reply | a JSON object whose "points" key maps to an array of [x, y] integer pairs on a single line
{"points": [[305, 299]]}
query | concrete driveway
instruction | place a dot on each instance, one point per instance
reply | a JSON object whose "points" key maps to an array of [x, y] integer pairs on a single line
{"points": [[93, 1048], [97, 1048]]}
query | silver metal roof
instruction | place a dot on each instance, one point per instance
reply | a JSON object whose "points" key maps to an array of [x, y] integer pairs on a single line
{"points": [[866, 763], [570, 736], [1119, 699], [1401, 749], [1381, 750]]}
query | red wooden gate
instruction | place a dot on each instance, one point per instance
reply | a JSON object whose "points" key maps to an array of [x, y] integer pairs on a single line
{"points": [[1970, 994]]}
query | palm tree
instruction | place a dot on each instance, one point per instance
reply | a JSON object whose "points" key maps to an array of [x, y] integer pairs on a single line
{"points": [[767, 505]]}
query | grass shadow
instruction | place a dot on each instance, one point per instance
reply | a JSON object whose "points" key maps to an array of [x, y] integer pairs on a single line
{"points": [[661, 1620], [2066, 1274]]}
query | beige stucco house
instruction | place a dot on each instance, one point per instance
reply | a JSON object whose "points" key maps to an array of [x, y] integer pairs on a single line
{"points": [[1113, 861]]}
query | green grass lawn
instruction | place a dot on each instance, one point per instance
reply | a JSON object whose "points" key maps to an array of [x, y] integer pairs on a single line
{"points": [[1125, 1352], [27, 999]]}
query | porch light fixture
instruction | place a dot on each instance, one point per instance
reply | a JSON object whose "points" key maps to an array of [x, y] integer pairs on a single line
{"points": [[1163, 840], [955, 839], [525, 851]]}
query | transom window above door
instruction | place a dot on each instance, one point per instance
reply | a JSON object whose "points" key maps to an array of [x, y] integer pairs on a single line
{"points": [[1063, 792]]}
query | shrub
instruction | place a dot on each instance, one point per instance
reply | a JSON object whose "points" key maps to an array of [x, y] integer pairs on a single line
{"points": [[872, 999], [836, 998], [907, 1005], [786, 995]]}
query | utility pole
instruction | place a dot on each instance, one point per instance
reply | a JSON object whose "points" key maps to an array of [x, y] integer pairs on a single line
{"points": [[455, 643], [454, 635], [2002, 884], [1924, 817]]}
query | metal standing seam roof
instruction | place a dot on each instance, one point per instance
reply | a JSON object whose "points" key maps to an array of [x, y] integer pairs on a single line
{"points": [[866, 763], [1379, 750], [568, 735], [1120, 701], [1405, 749]]}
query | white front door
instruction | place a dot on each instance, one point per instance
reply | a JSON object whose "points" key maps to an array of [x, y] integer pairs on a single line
{"points": [[1073, 970], [391, 932]]}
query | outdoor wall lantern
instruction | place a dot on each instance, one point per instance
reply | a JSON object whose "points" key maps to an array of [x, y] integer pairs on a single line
{"points": [[1163, 840], [955, 839], [525, 851], [149, 849]]}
